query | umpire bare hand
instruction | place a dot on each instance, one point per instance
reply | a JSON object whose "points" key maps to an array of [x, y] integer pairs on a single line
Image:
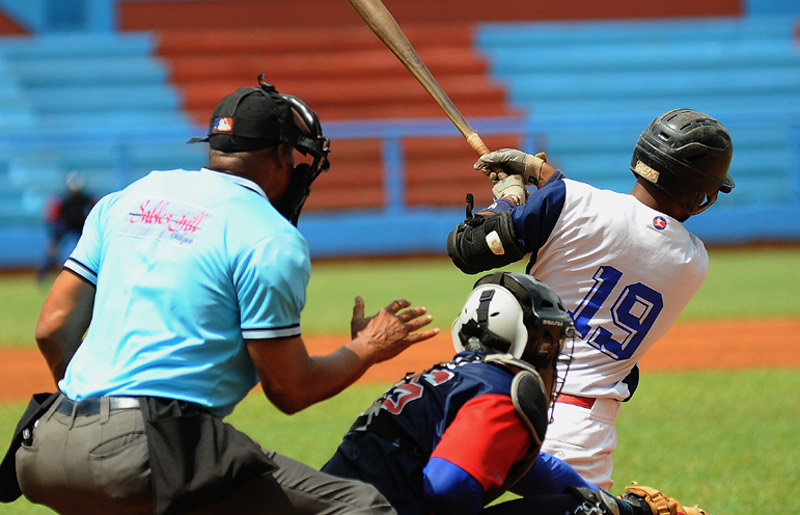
{"points": [[390, 331]]}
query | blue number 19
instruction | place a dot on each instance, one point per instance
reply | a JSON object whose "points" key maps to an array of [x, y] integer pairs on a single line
{"points": [[634, 312]]}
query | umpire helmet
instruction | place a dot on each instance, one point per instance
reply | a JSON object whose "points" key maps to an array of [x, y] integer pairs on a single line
{"points": [[686, 154], [513, 313]]}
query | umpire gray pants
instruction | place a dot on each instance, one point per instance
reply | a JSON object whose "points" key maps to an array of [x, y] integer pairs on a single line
{"points": [[98, 464]]}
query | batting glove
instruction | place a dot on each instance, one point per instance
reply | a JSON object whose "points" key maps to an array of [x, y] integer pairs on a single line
{"points": [[513, 188], [513, 162]]}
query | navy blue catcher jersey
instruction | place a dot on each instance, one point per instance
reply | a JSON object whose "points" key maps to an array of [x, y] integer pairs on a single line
{"points": [[460, 411]]}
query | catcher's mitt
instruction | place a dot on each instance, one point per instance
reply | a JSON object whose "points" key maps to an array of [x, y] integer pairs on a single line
{"points": [[659, 503]]}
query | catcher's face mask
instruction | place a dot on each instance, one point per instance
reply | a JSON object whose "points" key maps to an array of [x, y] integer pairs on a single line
{"points": [[519, 315]]}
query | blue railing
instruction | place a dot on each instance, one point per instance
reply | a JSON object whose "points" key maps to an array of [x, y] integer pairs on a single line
{"points": [[744, 216]]}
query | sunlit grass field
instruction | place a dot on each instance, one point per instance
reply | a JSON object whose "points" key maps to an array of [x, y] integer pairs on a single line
{"points": [[725, 440]]}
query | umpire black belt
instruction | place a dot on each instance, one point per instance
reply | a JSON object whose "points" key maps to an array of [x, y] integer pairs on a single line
{"points": [[89, 407]]}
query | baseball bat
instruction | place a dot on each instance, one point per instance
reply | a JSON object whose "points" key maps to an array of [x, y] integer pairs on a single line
{"points": [[380, 20]]}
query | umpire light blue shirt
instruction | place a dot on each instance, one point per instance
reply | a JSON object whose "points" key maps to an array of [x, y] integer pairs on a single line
{"points": [[187, 265]]}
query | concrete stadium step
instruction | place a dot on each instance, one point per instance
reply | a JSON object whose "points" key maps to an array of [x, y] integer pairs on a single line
{"points": [[209, 42], [358, 64], [633, 32], [402, 97], [328, 193], [76, 46], [346, 92], [119, 120], [644, 56], [342, 72], [432, 167], [82, 100], [675, 81], [89, 71], [649, 106], [429, 109]]}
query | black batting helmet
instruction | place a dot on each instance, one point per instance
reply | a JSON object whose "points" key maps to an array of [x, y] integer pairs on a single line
{"points": [[686, 154]]}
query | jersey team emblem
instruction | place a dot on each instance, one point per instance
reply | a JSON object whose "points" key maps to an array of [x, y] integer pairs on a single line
{"points": [[660, 223]]}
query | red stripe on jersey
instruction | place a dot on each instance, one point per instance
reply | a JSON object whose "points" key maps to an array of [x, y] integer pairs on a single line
{"points": [[485, 439]]}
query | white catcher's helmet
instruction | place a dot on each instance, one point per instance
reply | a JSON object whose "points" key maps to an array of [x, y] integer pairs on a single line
{"points": [[516, 314], [498, 312]]}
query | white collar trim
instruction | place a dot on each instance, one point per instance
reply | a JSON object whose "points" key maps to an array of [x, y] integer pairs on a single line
{"points": [[241, 181]]}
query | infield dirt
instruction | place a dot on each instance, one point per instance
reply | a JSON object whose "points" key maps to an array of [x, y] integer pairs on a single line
{"points": [[687, 346]]}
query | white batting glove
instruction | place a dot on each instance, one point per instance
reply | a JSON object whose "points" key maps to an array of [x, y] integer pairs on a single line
{"points": [[514, 162], [511, 187]]}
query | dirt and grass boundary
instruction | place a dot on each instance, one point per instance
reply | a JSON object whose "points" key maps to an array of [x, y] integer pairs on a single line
{"points": [[717, 345]]}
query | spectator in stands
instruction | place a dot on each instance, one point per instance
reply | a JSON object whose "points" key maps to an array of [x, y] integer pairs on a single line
{"points": [[64, 216]]}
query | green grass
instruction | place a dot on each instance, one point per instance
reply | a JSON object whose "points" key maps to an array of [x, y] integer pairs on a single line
{"points": [[431, 282], [741, 283], [749, 283], [22, 301], [725, 440]]}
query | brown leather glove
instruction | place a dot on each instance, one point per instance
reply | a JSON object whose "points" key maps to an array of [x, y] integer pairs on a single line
{"points": [[659, 503]]}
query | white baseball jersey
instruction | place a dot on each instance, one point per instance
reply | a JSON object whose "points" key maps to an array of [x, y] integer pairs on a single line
{"points": [[623, 270]]}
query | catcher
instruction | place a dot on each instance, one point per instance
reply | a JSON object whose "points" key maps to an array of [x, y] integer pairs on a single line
{"points": [[457, 436]]}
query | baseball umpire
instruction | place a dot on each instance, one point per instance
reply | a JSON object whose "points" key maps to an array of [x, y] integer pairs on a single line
{"points": [[624, 264], [188, 286], [457, 436]]}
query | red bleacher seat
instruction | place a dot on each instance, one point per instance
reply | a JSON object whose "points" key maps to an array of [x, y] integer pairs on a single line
{"points": [[344, 73]]}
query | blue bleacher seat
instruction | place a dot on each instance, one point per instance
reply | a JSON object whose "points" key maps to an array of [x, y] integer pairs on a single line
{"points": [[81, 102], [591, 87]]}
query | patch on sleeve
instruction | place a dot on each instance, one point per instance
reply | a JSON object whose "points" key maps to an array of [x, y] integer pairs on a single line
{"points": [[660, 223], [173, 222]]}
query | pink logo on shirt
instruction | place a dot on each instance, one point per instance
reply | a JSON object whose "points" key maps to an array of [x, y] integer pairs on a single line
{"points": [[175, 222]]}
